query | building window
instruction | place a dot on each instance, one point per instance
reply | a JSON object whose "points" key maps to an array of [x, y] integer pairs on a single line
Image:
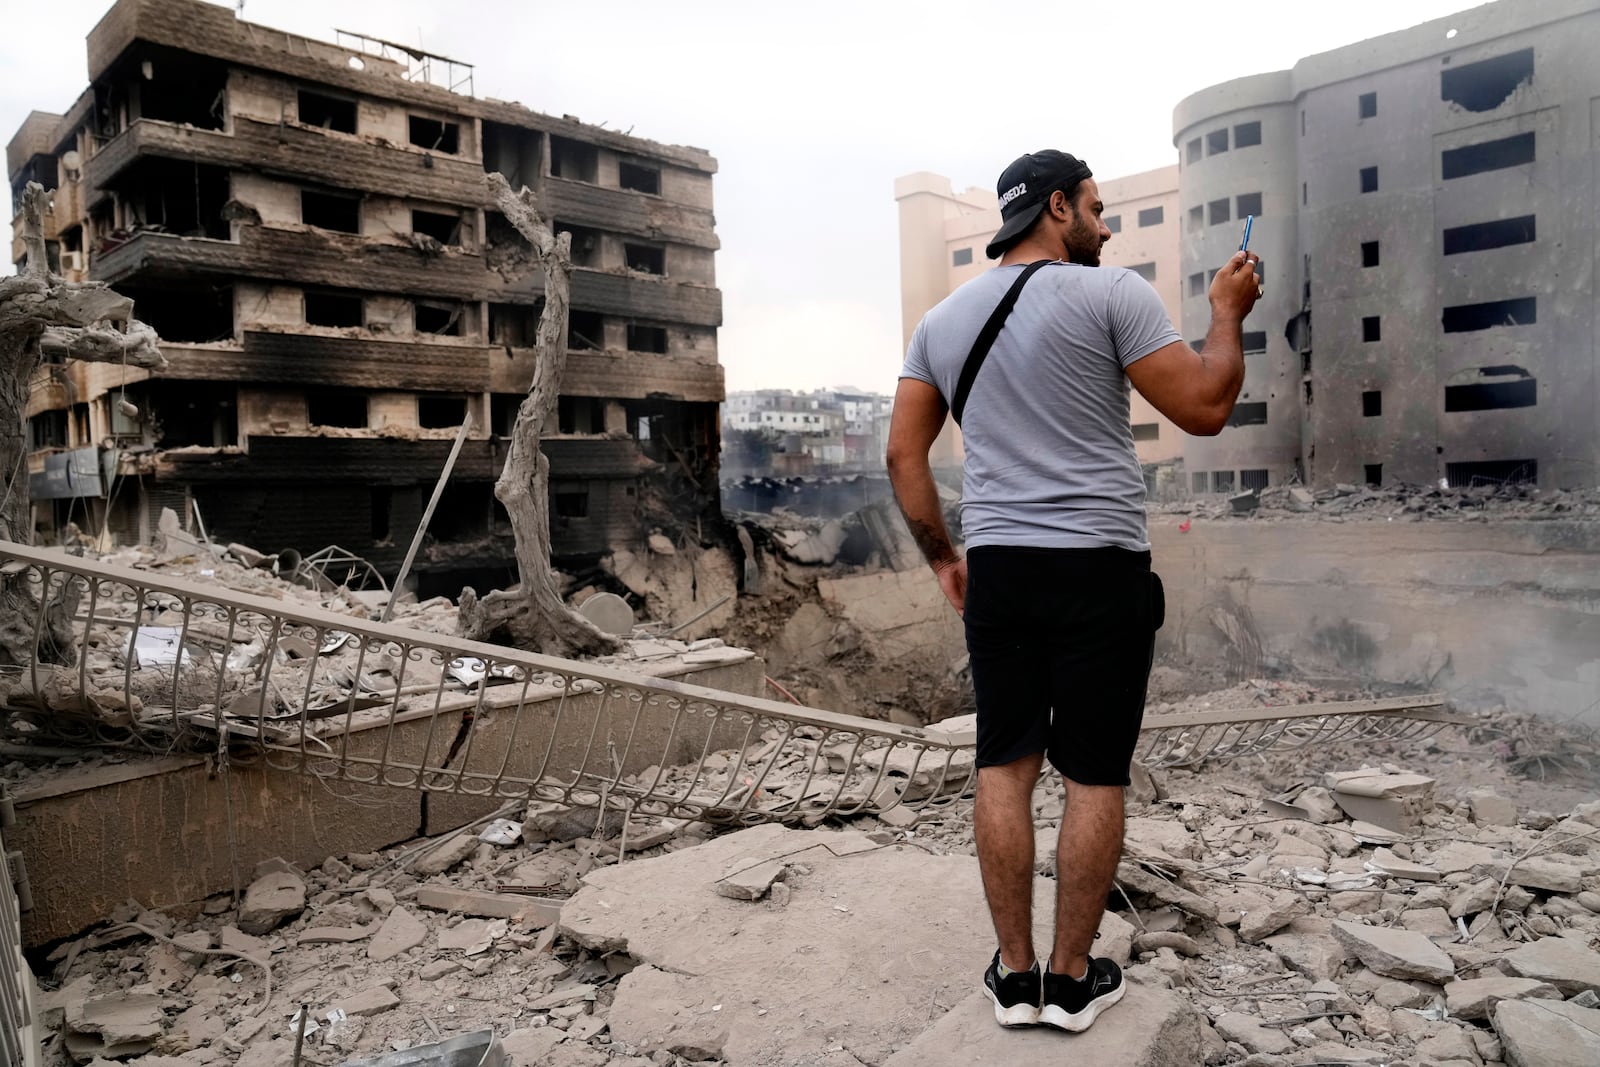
{"points": [[1197, 284], [1249, 414], [639, 179], [1216, 142], [337, 407], [1199, 482], [1146, 431], [1246, 134], [574, 160], [647, 259], [1371, 330], [1482, 236], [1492, 472], [328, 112], [1486, 84], [1369, 179], [1192, 151], [1217, 211], [1253, 481], [1147, 271], [572, 503], [1374, 473], [1197, 219], [436, 136], [961, 257], [585, 330], [1152, 216], [446, 229], [1485, 156], [1254, 341], [441, 412], [1113, 223], [1222, 481], [1367, 106], [439, 318], [333, 309], [1371, 403], [1249, 204], [647, 339], [1369, 253], [381, 503], [1465, 318], [1507, 387], [330, 211]]}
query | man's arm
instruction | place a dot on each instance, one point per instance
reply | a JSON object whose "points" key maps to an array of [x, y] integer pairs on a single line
{"points": [[1196, 390], [918, 417]]}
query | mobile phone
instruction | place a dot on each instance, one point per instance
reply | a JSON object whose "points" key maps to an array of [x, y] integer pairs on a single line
{"points": [[1244, 245]]}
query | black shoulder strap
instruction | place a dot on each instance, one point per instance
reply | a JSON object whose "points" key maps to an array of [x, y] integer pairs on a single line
{"points": [[986, 338]]}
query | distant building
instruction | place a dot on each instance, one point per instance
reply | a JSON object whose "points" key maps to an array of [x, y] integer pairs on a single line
{"points": [[1427, 204], [832, 429]]}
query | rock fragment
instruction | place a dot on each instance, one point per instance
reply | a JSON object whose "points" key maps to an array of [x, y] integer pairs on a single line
{"points": [[270, 900], [1472, 998], [400, 932], [1565, 962], [1395, 953]]}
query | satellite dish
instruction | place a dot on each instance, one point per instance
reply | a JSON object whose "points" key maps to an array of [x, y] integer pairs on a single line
{"points": [[71, 160], [609, 612]]}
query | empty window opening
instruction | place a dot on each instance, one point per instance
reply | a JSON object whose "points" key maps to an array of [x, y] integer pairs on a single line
{"points": [[1248, 204], [1254, 341], [1191, 151], [1465, 318], [446, 229], [1222, 481], [1254, 414], [1367, 106], [336, 407], [330, 211], [1147, 431], [175, 196], [436, 136], [185, 89], [514, 325], [1113, 223], [1216, 141], [1197, 219], [571, 503], [1369, 253], [333, 309], [1497, 387], [194, 413], [1199, 482], [1482, 236], [1307, 384], [1488, 83], [190, 314], [439, 318], [585, 244], [1485, 156], [1369, 179], [1152, 216], [382, 505], [585, 329], [647, 339], [1492, 472], [513, 152], [1371, 403], [48, 429], [961, 257], [1197, 284], [1246, 134], [503, 408], [574, 160], [1373, 472], [1147, 271], [581, 414], [328, 112], [441, 412], [1253, 481], [464, 513], [646, 259], [1217, 211], [1371, 329], [639, 179]]}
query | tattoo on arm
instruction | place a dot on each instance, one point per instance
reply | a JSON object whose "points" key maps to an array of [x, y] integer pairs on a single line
{"points": [[933, 539]]}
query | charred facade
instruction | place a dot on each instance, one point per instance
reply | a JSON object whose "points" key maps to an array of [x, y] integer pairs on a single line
{"points": [[307, 227]]}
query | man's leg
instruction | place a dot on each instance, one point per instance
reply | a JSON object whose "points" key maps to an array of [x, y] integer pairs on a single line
{"points": [[1087, 851], [1003, 827]]}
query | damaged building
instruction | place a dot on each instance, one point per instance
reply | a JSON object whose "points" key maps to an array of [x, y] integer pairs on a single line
{"points": [[307, 226]]}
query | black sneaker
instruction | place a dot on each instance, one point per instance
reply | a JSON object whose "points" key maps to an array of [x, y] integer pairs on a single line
{"points": [[1073, 1005], [1016, 996]]}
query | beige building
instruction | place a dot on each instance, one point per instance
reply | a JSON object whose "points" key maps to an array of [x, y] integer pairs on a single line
{"points": [[943, 234]]}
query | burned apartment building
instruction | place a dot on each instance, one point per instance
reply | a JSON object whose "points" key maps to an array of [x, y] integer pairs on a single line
{"points": [[307, 226], [1426, 207]]}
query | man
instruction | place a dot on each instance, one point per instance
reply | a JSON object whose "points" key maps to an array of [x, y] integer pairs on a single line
{"points": [[1058, 599]]}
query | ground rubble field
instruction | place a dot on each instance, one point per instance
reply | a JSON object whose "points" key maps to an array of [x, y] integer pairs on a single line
{"points": [[1260, 925]]}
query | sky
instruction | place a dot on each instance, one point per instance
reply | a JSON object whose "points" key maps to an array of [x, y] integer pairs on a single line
{"points": [[811, 112]]}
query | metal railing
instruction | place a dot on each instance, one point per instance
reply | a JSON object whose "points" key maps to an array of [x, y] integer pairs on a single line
{"points": [[132, 658]]}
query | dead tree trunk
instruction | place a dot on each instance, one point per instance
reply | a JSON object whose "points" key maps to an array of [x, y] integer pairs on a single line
{"points": [[533, 615], [42, 315]]}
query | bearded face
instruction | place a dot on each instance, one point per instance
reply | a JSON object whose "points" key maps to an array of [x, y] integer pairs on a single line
{"points": [[1084, 239]]}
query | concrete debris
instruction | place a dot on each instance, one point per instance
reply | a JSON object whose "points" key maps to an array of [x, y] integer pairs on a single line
{"points": [[1408, 503], [1396, 953], [445, 856], [1395, 802], [1471, 999], [400, 932], [1568, 963], [1492, 809], [753, 882], [1544, 1034], [270, 900]]}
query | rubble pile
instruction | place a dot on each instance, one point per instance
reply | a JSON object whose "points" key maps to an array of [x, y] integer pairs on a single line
{"points": [[1409, 503]]}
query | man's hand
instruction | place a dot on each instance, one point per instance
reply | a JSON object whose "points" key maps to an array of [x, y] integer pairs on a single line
{"points": [[953, 580], [1235, 288]]}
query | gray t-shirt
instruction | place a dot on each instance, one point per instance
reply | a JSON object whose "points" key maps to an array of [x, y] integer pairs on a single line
{"points": [[1050, 460]]}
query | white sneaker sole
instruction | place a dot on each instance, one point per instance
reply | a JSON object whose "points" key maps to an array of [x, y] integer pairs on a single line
{"points": [[1014, 1016], [1053, 1016]]}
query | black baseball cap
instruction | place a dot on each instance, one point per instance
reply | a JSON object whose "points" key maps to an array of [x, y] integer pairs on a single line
{"points": [[1024, 189]]}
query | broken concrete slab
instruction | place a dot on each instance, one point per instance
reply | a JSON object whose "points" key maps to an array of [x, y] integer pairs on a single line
{"points": [[1395, 953], [1492, 809], [1158, 839], [1540, 1033], [1307, 946], [1252, 1034], [1536, 872], [842, 935], [401, 932], [655, 1011], [1385, 862], [535, 912], [1149, 1028], [753, 882], [1473, 998], [270, 900], [1283, 908], [114, 1025], [471, 936], [1395, 802], [1473, 898], [335, 935], [372, 1001], [1567, 963], [445, 856], [532, 1046]]}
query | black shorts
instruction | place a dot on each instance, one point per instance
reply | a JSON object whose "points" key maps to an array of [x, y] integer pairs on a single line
{"points": [[1061, 641]]}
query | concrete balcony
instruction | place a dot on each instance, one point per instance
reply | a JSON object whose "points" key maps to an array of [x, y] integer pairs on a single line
{"points": [[624, 211], [616, 375]]}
